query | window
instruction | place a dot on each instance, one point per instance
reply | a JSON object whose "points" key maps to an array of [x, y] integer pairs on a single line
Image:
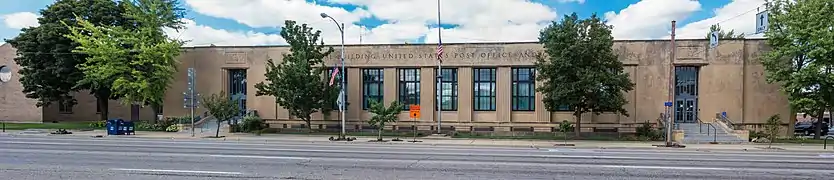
{"points": [[98, 108], [524, 89], [372, 86], [409, 87], [484, 85], [336, 83], [449, 95], [65, 107]]}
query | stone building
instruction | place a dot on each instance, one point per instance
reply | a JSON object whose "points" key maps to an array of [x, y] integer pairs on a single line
{"points": [[487, 86]]}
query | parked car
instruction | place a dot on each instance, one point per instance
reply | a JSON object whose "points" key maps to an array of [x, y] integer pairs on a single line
{"points": [[807, 128]]}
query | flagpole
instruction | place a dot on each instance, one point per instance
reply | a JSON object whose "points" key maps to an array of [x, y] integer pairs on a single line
{"points": [[342, 86], [439, 71]]}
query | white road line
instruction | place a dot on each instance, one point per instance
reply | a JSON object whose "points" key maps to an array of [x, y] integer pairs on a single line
{"points": [[178, 171], [40, 143], [260, 157]]}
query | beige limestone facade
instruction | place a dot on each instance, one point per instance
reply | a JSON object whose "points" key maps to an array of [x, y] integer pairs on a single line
{"points": [[728, 78]]}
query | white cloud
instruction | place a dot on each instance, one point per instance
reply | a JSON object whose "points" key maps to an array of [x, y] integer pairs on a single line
{"points": [[739, 15], [200, 35], [407, 20], [649, 19], [20, 20]]}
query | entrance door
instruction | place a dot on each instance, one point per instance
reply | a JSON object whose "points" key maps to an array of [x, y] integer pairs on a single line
{"points": [[686, 94], [237, 91]]}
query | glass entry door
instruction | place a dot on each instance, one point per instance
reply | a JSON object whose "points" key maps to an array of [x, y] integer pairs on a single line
{"points": [[686, 94]]}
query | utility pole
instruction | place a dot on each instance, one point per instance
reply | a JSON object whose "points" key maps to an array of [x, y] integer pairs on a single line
{"points": [[669, 120]]}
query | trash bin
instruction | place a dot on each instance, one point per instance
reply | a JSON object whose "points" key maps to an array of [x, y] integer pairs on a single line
{"points": [[129, 127], [113, 126]]}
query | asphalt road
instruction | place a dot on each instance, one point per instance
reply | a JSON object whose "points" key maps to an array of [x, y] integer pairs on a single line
{"points": [[46, 158]]}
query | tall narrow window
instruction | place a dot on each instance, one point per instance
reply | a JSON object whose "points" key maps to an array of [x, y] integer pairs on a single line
{"points": [[484, 85], [409, 87], [98, 107], [524, 89], [337, 84], [65, 107], [237, 89], [372, 86], [449, 95]]}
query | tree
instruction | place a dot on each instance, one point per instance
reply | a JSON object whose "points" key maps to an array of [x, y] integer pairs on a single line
{"points": [[140, 61], [297, 83], [579, 68], [49, 71], [220, 106], [802, 54], [722, 34], [772, 127], [384, 115], [565, 127]]}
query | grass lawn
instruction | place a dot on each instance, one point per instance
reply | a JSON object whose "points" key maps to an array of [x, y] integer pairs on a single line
{"points": [[60, 125]]}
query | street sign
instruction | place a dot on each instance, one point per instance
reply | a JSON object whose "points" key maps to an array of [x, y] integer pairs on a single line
{"points": [[667, 104], [713, 39], [761, 22], [414, 111]]}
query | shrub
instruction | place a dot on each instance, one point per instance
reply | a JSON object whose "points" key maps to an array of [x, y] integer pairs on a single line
{"points": [[649, 133], [252, 123], [158, 126], [98, 124], [172, 128]]}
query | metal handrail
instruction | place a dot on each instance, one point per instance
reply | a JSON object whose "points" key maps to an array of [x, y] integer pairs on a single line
{"points": [[727, 121], [714, 130]]}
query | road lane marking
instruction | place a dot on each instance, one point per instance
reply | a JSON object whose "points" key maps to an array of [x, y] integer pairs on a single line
{"points": [[39, 143], [326, 159], [260, 157], [178, 171]]}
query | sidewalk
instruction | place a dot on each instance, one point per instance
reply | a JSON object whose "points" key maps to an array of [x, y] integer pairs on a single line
{"points": [[544, 144]]}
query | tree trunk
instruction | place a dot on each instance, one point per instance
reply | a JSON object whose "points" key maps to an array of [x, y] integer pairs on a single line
{"points": [[566, 137], [818, 128], [103, 104], [154, 108], [578, 126], [379, 133], [309, 126], [217, 131]]}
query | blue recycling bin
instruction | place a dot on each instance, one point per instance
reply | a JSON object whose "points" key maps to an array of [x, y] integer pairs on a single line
{"points": [[113, 126], [129, 127]]}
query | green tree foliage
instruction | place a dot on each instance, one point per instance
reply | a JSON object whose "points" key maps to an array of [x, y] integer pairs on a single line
{"points": [[565, 127], [49, 71], [772, 126], [222, 107], [723, 34], [297, 83], [802, 54], [383, 115], [579, 68], [140, 61]]}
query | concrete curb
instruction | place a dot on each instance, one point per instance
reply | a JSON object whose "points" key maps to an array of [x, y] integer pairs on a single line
{"points": [[428, 142]]}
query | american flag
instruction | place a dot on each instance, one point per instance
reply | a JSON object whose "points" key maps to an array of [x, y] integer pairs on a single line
{"points": [[439, 52], [333, 75]]}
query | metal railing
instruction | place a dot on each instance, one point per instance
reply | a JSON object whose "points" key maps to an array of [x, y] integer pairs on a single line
{"points": [[825, 142], [726, 121], [709, 125]]}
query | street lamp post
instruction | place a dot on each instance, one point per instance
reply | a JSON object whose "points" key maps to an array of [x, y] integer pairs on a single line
{"points": [[342, 74]]}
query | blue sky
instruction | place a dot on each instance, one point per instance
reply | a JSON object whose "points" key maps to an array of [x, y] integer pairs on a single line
{"points": [[257, 22]]}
